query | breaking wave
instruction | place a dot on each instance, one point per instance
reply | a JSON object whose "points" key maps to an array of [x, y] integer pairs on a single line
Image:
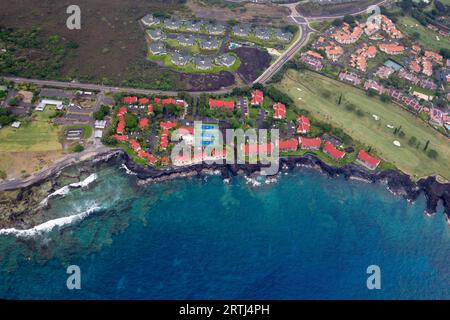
{"points": [[49, 225], [66, 189], [128, 171]]}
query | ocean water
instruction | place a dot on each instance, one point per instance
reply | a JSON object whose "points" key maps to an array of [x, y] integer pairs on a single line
{"points": [[306, 236]]}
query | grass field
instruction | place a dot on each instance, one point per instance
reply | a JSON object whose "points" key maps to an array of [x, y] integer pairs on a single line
{"points": [[427, 37], [38, 135], [319, 95], [30, 147]]}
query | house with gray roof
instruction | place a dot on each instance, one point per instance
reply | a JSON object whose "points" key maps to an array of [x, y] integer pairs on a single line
{"points": [[149, 20], [186, 40], [241, 31], [180, 58], [156, 34], [284, 36], [203, 62], [263, 33], [193, 26], [158, 47], [209, 44], [215, 29], [172, 24], [226, 60]]}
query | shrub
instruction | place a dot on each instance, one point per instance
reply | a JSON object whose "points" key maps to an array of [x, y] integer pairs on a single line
{"points": [[350, 106], [78, 148], [432, 154]]}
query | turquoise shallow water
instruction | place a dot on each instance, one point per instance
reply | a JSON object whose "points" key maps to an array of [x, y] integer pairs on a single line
{"points": [[306, 236]]}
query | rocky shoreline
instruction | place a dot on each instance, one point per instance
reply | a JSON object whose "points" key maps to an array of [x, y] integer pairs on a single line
{"points": [[26, 200]]}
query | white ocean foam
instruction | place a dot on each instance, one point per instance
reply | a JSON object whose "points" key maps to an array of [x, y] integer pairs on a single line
{"points": [[253, 182], [128, 171], [86, 182], [66, 189], [60, 192], [49, 225]]}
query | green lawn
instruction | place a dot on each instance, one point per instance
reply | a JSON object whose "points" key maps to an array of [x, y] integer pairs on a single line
{"points": [[365, 128], [87, 129], [427, 38], [38, 135]]}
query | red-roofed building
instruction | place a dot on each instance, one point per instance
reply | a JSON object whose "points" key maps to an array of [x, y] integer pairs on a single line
{"points": [[167, 124], [254, 149], [143, 123], [310, 143], [214, 103], [157, 100], [165, 161], [288, 145], [119, 137], [130, 99], [367, 160], [150, 109], [169, 101], [182, 160], [257, 98], [143, 101], [303, 124], [164, 138], [147, 156], [332, 151], [185, 130], [135, 145], [122, 111], [280, 110], [120, 126]]}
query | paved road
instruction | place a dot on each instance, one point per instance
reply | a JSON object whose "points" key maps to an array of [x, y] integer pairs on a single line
{"points": [[104, 88], [305, 32], [320, 18]]}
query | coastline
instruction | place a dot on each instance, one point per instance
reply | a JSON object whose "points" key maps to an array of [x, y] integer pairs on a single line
{"points": [[30, 195]]}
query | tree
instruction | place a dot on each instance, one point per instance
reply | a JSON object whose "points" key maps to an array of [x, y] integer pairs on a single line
{"points": [[258, 86], [6, 117], [371, 92], [445, 52], [432, 154], [350, 20], [337, 22], [14, 101], [385, 98], [412, 141], [101, 113], [406, 5], [78, 148], [131, 121], [350, 106]]}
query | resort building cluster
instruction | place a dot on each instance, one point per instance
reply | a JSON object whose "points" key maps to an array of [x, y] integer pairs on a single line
{"points": [[203, 45], [377, 56], [153, 139]]}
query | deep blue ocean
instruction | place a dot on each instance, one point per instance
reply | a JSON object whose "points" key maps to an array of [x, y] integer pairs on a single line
{"points": [[306, 236]]}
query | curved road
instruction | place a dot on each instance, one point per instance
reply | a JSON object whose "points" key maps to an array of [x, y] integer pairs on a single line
{"points": [[305, 32]]}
